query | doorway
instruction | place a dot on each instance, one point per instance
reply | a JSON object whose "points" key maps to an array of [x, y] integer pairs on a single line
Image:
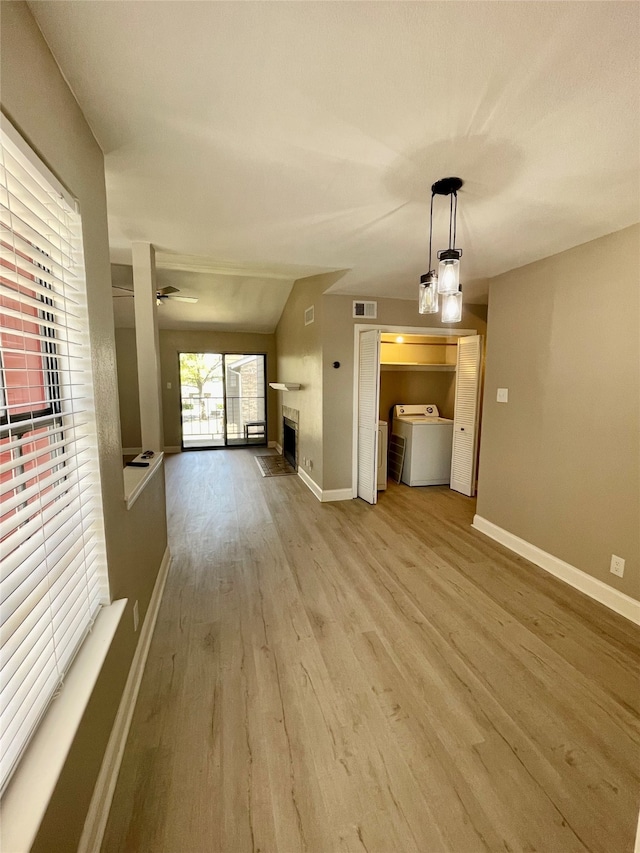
{"points": [[222, 399], [463, 364]]}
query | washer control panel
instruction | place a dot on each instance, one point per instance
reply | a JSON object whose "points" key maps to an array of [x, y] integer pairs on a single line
{"points": [[427, 410]]}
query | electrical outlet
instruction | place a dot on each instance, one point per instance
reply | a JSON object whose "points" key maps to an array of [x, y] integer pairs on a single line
{"points": [[617, 566], [136, 616], [168, 386], [502, 395]]}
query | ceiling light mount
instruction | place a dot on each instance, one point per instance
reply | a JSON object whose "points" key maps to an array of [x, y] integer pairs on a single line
{"points": [[446, 186]]}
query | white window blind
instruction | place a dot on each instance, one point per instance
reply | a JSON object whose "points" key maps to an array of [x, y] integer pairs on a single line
{"points": [[52, 558]]}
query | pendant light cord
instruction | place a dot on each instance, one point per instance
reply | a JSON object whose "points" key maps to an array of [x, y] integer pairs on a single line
{"points": [[430, 229], [450, 221], [455, 219]]}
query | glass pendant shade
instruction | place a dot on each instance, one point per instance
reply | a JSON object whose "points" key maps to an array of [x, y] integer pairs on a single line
{"points": [[452, 307], [449, 271], [428, 294]]}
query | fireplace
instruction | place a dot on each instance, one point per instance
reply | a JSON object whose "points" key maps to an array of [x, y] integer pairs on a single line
{"points": [[290, 442]]}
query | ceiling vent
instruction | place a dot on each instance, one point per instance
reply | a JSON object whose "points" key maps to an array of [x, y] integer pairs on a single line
{"points": [[365, 309], [308, 316]]}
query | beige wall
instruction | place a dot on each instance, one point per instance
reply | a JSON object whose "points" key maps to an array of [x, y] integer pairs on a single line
{"points": [[415, 387], [174, 341], [37, 100], [127, 367], [338, 344], [560, 462], [299, 352]]}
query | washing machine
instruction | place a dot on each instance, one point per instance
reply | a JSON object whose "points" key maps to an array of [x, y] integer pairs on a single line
{"points": [[428, 442]]}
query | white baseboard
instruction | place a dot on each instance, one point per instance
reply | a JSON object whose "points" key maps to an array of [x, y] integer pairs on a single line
{"points": [[277, 446], [337, 495], [310, 484], [326, 495], [594, 588], [96, 820], [273, 444], [173, 448]]}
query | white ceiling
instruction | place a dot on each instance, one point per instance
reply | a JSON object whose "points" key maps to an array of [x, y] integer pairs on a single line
{"points": [[281, 134]]}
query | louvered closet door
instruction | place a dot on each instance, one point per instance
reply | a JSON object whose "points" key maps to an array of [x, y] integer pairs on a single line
{"points": [[368, 402], [465, 419]]}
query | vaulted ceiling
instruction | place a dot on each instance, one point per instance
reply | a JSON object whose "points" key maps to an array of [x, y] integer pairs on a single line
{"points": [[304, 136]]}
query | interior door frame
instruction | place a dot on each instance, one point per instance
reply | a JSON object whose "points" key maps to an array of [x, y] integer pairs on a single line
{"points": [[396, 330]]}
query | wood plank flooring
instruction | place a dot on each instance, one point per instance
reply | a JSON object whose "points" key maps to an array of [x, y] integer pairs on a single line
{"points": [[340, 677]]}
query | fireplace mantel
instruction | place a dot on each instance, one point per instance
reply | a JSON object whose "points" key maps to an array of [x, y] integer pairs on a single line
{"points": [[285, 386]]}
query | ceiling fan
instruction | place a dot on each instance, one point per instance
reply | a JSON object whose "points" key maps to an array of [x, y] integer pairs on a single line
{"points": [[161, 294]]}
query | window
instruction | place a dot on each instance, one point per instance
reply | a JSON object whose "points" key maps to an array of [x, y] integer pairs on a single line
{"points": [[52, 568]]}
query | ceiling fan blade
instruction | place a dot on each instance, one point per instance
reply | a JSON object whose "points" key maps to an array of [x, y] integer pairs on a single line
{"points": [[165, 291], [125, 289], [183, 298]]}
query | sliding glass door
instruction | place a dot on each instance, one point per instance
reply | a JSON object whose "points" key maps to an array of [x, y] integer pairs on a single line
{"points": [[223, 399]]}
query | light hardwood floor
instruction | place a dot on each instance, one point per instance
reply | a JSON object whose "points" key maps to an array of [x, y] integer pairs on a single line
{"points": [[340, 677]]}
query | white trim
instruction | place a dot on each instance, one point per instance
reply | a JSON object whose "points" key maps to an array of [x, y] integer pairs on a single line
{"points": [[273, 444], [96, 820], [636, 846], [173, 448], [310, 484], [277, 446], [594, 588], [336, 495], [27, 797], [328, 494], [136, 479]]}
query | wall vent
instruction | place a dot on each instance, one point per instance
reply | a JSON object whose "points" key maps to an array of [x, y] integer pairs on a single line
{"points": [[308, 316], [365, 309]]}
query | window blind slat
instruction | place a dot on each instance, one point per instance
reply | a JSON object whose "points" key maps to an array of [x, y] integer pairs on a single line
{"points": [[42, 222], [24, 275], [45, 323], [17, 179], [26, 249], [23, 544], [33, 707], [25, 299], [29, 261], [11, 224]]}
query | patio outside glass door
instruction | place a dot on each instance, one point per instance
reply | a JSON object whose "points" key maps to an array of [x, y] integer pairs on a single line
{"points": [[223, 399]]}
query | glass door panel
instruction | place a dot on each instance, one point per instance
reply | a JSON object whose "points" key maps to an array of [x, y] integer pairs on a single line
{"points": [[202, 399], [245, 399]]}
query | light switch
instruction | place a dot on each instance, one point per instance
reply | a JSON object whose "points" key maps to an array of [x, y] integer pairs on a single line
{"points": [[503, 395], [168, 386]]}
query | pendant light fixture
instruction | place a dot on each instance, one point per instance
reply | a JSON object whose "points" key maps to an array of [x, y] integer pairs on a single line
{"points": [[428, 289], [446, 282]]}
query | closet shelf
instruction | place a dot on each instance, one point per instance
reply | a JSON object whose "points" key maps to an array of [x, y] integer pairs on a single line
{"points": [[412, 365]]}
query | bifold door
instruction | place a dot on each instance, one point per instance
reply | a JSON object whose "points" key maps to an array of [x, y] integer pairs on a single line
{"points": [[466, 415], [368, 403]]}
